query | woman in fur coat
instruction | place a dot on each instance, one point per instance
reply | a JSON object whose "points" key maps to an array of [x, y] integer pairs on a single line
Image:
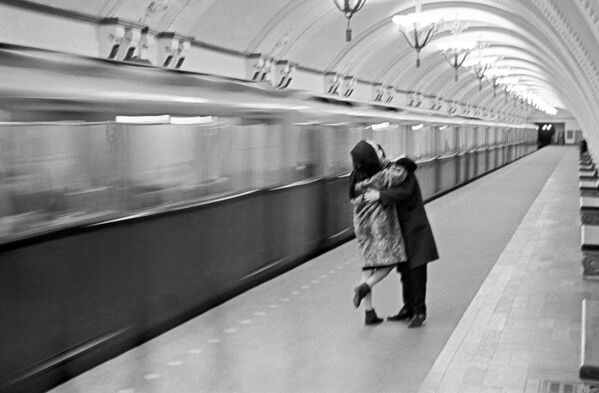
{"points": [[378, 234]]}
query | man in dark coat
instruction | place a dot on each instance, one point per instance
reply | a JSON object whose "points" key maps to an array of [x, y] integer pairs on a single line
{"points": [[420, 243]]}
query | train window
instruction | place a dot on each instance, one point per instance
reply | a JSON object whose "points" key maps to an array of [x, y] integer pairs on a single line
{"points": [[53, 173], [482, 137], [337, 141], [303, 154], [465, 135], [392, 137], [423, 141], [447, 140], [256, 160]]}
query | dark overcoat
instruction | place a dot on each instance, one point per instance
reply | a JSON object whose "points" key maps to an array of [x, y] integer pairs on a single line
{"points": [[420, 242]]}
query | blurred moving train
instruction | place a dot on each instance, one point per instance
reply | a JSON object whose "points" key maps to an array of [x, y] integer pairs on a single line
{"points": [[115, 227]]}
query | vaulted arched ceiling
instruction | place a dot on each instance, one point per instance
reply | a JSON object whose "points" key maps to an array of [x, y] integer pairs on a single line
{"points": [[551, 46]]}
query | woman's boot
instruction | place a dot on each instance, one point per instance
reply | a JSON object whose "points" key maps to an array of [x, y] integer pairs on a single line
{"points": [[372, 318], [360, 293]]}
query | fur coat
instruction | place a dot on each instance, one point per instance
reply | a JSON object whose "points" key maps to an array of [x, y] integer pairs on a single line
{"points": [[377, 228]]}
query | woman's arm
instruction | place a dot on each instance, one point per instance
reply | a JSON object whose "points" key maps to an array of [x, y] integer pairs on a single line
{"points": [[388, 179], [398, 193]]}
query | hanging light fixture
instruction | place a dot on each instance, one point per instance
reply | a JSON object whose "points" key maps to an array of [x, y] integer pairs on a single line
{"points": [[496, 73], [481, 64], [417, 28], [494, 85], [523, 94], [349, 8], [456, 50], [507, 82], [152, 10]]}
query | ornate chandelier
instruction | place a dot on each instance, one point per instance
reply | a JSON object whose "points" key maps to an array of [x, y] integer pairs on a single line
{"points": [[481, 64], [456, 50], [349, 8], [417, 28], [153, 9], [507, 82], [494, 85], [496, 73], [480, 68]]}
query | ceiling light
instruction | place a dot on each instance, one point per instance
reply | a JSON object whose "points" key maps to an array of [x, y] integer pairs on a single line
{"points": [[161, 119], [417, 28], [380, 126], [457, 50], [192, 120]]}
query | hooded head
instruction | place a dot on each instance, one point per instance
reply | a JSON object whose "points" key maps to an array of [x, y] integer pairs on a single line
{"points": [[365, 159], [380, 152], [366, 163]]}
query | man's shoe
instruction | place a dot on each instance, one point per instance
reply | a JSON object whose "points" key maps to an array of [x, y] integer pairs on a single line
{"points": [[360, 293], [371, 318], [402, 315], [417, 320]]}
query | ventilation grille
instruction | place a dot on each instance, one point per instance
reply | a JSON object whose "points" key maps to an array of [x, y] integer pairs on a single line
{"points": [[567, 387]]}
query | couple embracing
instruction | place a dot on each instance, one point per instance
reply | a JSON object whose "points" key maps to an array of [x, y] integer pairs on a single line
{"points": [[392, 230]]}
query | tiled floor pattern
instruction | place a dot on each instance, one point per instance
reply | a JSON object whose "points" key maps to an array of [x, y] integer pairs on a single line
{"points": [[523, 326]]}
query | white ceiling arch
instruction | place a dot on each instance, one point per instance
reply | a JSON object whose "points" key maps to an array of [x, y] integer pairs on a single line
{"points": [[551, 44], [490, 24]]}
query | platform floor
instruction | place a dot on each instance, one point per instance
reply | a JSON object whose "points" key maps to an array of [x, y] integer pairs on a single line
{"points": [[504, 309]]}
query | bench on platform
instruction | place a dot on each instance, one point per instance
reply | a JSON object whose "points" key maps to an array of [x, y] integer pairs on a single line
{"points": [[587, 174], [589, 187], [589, 354], [586, 167], [589, 210], [589, 235], [588, 183]]}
